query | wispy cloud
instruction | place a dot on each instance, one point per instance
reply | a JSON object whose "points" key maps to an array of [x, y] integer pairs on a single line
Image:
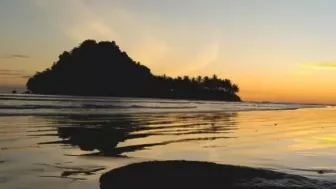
{"points": [[302, 73], [323, 65], [26, 76], [8, 74], [163, 49], [77, 21], [14, 56], [5, 72]]}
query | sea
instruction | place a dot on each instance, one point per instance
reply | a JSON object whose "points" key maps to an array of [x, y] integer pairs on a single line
{"points": [[49, 141]]}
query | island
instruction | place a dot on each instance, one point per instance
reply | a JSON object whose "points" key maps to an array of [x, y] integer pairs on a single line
{"points": [[103, 69]]}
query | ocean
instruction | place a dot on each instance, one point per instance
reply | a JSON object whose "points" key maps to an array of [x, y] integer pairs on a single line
{"points": [[69, 142]]}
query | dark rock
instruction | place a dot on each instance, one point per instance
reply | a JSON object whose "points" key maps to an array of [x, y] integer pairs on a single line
{"points": [[197, 175]]}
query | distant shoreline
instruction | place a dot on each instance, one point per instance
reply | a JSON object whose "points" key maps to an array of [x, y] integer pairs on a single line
{"points": [[140, 97], [153, 98]]}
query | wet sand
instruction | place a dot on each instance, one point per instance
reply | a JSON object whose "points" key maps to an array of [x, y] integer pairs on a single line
{"points": [[74, 151]]}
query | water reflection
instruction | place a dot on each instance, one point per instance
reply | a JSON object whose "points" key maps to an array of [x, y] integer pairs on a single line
{"points": [[139, 131]]}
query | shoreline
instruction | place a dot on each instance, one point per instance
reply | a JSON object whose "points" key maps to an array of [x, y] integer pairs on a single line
{"points": [[151, 113], [42, 105], [173, 99], [125, 97]]}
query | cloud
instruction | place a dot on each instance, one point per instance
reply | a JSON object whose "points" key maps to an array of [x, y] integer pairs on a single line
{"points": [[142, 36], [26, 76], [325, 65], [14, 74], [302, 73], [76, 20], [203, 57], [4, 72], [14, 56]]}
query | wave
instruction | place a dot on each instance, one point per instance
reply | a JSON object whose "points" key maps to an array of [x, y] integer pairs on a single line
{"points": [[89, 99], [159, 101], [89, 106]]}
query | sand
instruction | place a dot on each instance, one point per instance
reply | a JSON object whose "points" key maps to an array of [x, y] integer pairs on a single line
{"points": [[74, 151]]}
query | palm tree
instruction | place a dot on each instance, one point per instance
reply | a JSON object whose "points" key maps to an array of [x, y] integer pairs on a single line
{"points": [[193, 80], [226, 84], [206, 82], [215, 82], [235, 89], [199, 79]]}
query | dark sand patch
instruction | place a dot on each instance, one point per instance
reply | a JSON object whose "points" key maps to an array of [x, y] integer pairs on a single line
{"points": [[86, 172], [68, 172], [190, 174], [60, 177]]}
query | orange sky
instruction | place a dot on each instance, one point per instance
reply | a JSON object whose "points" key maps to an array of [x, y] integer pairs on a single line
{"points": [[274, 50]]}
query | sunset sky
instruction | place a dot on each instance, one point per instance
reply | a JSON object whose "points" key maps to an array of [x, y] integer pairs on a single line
{"points": [[275, 50]]}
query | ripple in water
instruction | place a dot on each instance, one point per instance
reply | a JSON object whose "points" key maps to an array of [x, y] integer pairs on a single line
{"points": [[300, 142]]}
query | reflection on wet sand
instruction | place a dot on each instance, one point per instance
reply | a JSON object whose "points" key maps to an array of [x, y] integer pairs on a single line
{"points": [[72, 171], [48, 151], [104, 134]]}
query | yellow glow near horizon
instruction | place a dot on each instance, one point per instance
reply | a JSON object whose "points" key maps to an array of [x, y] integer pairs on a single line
{"points": [[272, 56]]}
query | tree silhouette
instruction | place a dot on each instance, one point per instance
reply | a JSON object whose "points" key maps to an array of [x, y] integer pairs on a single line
{"points": [[102, 69]]}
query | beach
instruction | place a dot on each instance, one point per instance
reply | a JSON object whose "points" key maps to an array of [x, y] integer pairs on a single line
{"points": [[69, 142]]}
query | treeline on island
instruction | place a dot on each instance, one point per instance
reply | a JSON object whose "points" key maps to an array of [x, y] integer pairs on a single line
{"points": [[102, 69]]}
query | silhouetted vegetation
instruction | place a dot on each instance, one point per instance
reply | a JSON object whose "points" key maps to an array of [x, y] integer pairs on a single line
{"points": [[14, 92], [102, 69], [201, 175]]}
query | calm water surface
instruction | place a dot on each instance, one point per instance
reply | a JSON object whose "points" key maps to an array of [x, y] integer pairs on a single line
{"points": [[53, 142]]}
